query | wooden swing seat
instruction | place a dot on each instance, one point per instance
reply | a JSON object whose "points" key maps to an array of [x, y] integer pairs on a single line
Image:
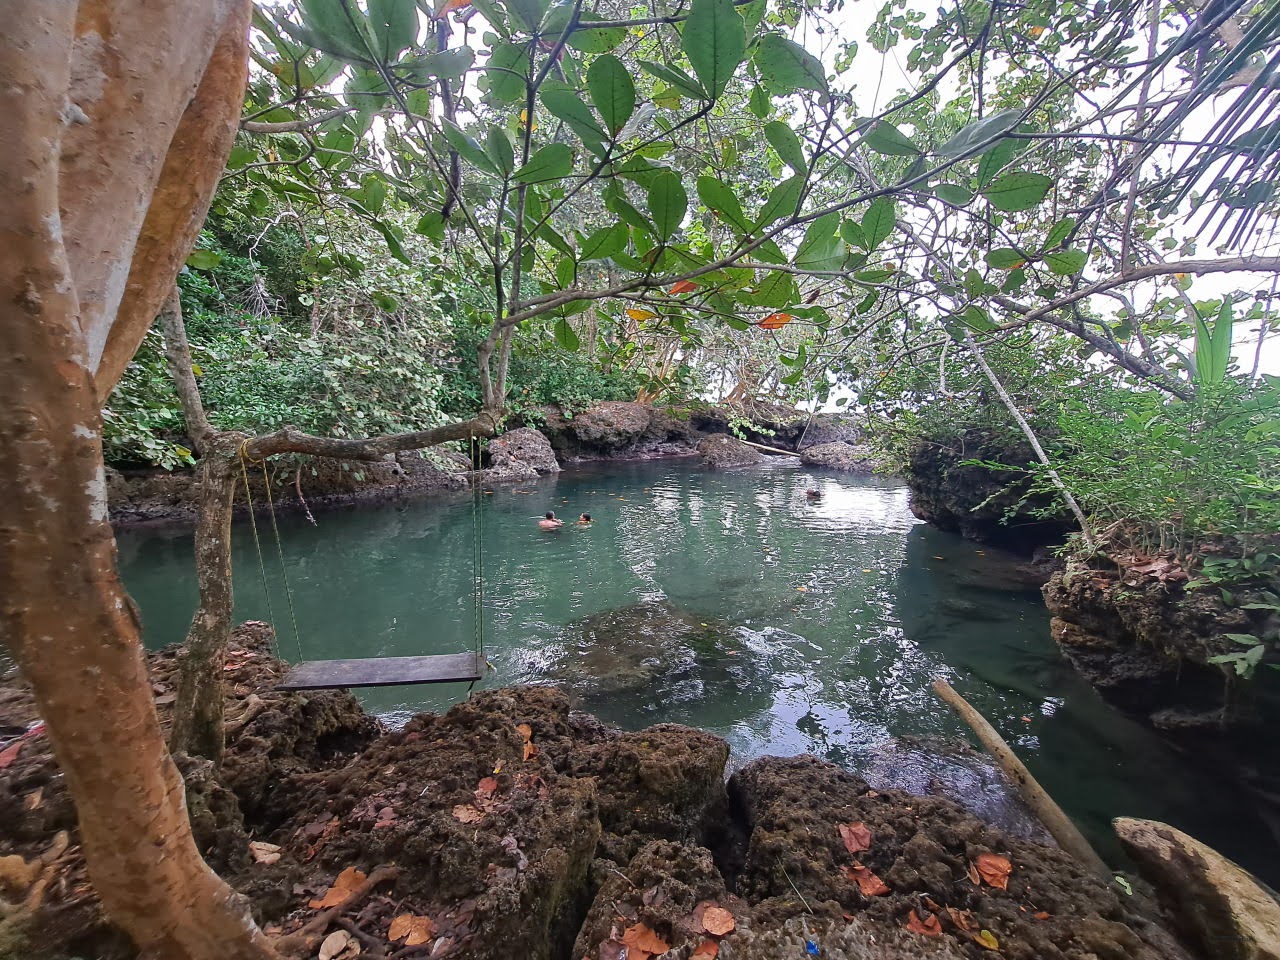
{"points": [[384, 672]]}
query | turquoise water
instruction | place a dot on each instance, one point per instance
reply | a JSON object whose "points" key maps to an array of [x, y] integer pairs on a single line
{"points": [[727, 601]]}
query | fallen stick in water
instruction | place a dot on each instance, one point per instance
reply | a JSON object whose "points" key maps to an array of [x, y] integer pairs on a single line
{"points": [[761, 446], [1055, 821]]}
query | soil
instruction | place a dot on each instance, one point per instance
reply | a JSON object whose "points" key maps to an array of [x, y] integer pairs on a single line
{"points": [[520, 827]]}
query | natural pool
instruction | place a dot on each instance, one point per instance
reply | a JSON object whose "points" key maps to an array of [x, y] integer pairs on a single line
{"points": [[727, 601]]}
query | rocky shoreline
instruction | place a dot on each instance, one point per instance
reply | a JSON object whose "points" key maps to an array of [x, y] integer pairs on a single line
{"points": [[515, 826], [546, 439]]}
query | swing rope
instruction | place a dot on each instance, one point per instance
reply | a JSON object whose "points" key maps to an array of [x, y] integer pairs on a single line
{"points": [[477, 554], [257, 542]]}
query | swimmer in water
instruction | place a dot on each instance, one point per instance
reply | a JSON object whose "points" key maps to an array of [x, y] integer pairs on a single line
{"points": [[584, 519], [549, 522]]}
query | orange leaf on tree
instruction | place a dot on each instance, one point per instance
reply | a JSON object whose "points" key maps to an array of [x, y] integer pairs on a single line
{"points": [[994, 869], [929, 927], [450, 5], [683, 286], [635, 314], [775, 321], [413, 930], [856, 836], [868, 882], [718, 921], [707, 948], [346, 883], [641, 937]]}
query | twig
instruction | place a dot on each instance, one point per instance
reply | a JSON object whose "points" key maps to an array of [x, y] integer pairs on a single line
{"points": [[297, 485], [374, 945], [798, 893], [303, 942], [1042, 805]]}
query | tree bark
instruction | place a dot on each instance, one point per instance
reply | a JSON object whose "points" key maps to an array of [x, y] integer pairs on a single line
{"points": [[197, 710], [63, 612], [177, 352]]}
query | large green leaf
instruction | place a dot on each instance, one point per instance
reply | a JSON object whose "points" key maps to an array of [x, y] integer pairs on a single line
{"points": [[564, 103], [787, 67], [467, 146], [782, 202], [883, 137], [784, 140], [528, 12], [507, 71], [715, 42], [1066, 262], [566, 336], [668, 203], [445, 65], [332, 26], [674, 76], [604, 243], [1059, 232], [979, 132], [203, 259], [821, 248], [585, 38], [1213, 346], [716, 195], [395, 27], [1018, 191], [497, 147], [616, 202], [612, 91], [551, 162], [778, 289], [878, 222], [1005, 258], [995, 160], [953, 193]]}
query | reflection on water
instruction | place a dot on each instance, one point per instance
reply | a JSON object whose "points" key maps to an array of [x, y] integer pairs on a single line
{"points": [[727, 601]]}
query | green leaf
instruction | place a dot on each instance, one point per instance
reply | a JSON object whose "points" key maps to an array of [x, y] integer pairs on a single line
{"points": [[498, 149], [980, 131], [1019, 191], [995, 160], [445, 65], [564, 103], [715, 42], [778, 289], [431, 224], [1059, 232], [616, 202], [605, 242], [1005, 258], [722, 201], [566, 272], [787, 67], [878, 222], [676, 77], [507, 72], [975, 318], [551, 162], [1213, 346], [953, 193], [884, 137], [758, 103], [395, 27], [851, 233], [668, 203], [821, 248], [784, 140], [783, 201], [566, 337], [391, 235], [467, 146], [204, 259], [612, 91], [1066, 262], [334, 26], [585, 38], [528, 12]]}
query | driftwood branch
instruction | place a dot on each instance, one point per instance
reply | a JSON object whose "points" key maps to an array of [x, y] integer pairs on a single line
{"points": [[1042, 805], [761, 446]]}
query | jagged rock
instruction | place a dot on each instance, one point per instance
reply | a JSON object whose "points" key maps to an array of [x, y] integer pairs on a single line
{"points": [[1215, 902], [974, 500], [612, 425], [521, 454], [617, 430], [839, 939], [829, 428], [725, 453], [839, 455]]}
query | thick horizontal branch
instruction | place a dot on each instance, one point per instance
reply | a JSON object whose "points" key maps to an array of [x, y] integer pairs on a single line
{"points": [[290, 440]]}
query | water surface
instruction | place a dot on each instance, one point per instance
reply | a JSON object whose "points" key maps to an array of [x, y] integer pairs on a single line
{"points": [[727, 601]]}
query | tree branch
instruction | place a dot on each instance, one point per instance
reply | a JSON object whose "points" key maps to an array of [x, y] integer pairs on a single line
{"points": [[293, 126], [289, 440]]}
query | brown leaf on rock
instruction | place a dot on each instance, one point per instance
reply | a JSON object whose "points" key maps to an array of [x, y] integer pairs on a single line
{"points": [[962, 919], [334, 944], [974, 877], [931, 926], [487, 787], [530, 750], [718, 921], [342, 888], [640, 937], [412, 929], [10, 754], [856, 836], [994, 869], [526, 731], [707, 948], [868, 882], [466, 813], [1041, 915]]}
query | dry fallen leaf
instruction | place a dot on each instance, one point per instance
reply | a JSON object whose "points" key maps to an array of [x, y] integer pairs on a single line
{"points": [[1041, 915], [930, 927], [466, 813], [264, 852], [868, 882], [34, 799], [526, 731], [334, 944], [994, 869], [987, 939], [342, 888], [640, 937], [486, 788], [961, 918], [530, 750], [413, 930], [10, 754], [707, 948], [718, 921], [856, 836], [974, 877]]}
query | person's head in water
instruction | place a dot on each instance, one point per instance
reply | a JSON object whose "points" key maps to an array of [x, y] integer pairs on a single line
{"points": [[584, 518], [551, 515]]}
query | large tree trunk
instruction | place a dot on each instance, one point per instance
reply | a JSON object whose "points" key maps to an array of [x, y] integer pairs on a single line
{"points": [[197, 710], [63, 612]]}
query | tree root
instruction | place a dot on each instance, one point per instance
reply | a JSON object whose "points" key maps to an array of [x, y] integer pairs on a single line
{"points": [[303, 942]]}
